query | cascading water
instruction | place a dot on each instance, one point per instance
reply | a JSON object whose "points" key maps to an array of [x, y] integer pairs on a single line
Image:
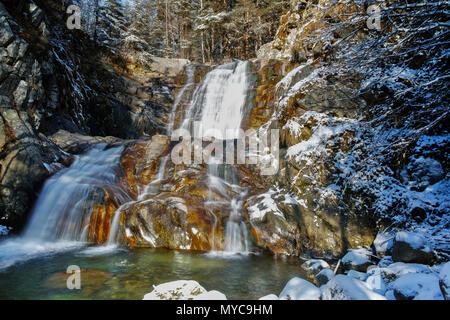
{"points": [[60, 218], [218, 104], [63, 209], [153, 187]]}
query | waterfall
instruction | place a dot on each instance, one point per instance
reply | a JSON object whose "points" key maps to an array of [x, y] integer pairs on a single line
{"points": [[154, 186], [64, 206], [218, 102]]}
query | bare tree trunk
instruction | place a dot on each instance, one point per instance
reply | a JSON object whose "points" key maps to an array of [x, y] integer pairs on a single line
{"points": [[167, 27], [203, 36]]}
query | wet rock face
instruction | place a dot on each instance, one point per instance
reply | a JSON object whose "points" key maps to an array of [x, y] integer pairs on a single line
{"points": [[26, 158], [172, 212]]}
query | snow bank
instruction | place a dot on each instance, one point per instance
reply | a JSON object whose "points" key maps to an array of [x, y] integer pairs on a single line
{"points": [[300, 289], [417, 287], [343, 287]]}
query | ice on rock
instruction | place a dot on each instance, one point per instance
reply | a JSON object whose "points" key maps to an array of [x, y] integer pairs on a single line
{"points": [[300, 289], [417, 287], [343, 287]]}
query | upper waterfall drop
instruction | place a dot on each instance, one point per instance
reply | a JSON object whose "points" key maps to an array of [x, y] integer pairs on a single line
{"points": [[219, 101]]}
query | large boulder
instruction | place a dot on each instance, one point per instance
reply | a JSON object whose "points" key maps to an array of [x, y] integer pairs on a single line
{"points": [[300, 289], [411, 247], [344, 287], [182, 290], [357, 259], [417, 287]]}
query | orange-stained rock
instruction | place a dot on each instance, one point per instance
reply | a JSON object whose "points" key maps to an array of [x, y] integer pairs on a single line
{"points": [[100, 221]]}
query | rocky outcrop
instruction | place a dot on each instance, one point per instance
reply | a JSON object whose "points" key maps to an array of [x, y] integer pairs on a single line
{"points": [[411, 247], [49, 86]]}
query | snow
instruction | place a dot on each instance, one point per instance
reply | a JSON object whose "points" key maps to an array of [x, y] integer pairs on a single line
{"points": [[399, 269], [300, 289], [265, 205], [327, 128], [324, 276], [376, 283], [315, 265], [418, 287], [415, 241], [444, 279], [211, 295], [383, 243], [176, 290], [343, 287], [357, 258], [269, 297], [357, 275]]}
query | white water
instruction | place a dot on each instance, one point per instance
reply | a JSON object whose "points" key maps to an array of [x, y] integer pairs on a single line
{"points": [[60, 219], [62, 211], [218, 102]]}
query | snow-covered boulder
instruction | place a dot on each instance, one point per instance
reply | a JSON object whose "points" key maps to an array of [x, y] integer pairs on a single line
{"points": [[396, 270], [182, 290], [357, 259], [210, 295], [411, 247], [417, 287], [444, 280], [269, 297], [399, 269], [343, 287], [383, 244], [324, 276], [300, 289], [315, 265], [357, 275]]}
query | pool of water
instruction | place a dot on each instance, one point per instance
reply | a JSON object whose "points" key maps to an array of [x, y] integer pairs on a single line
{"points": [[113, 273]]}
